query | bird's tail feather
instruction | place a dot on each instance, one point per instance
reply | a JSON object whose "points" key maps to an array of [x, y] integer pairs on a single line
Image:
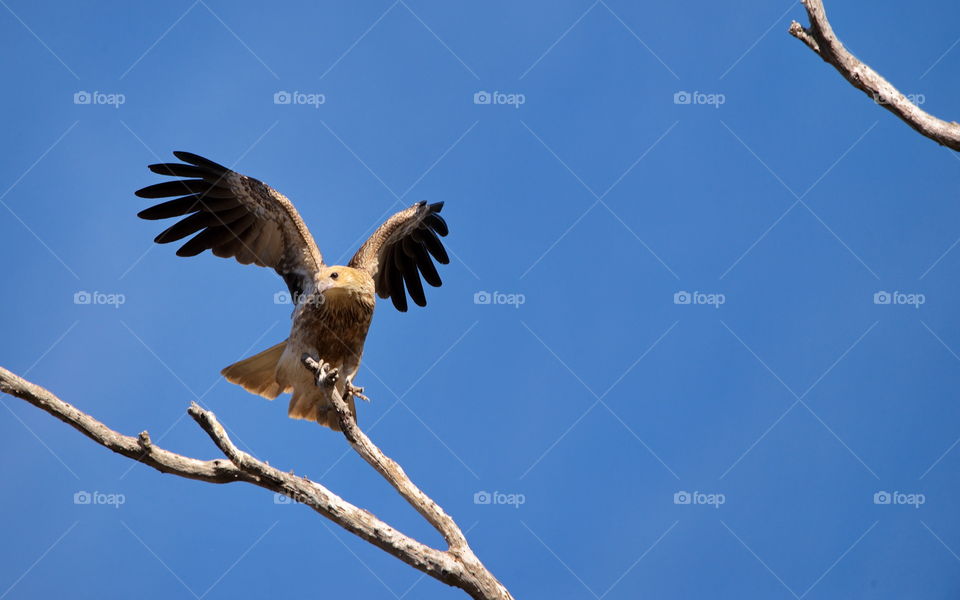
{"points": [[258, 374], [312, 407]]}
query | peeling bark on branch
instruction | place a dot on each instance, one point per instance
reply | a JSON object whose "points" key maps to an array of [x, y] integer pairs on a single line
{"points": [[457, 566], [820, 38]]}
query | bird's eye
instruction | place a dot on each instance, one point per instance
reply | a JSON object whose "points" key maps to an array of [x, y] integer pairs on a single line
{"points": [[334, 275]]}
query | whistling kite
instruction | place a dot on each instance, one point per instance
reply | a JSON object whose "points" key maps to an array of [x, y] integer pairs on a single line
{"points": [[238, 216]]}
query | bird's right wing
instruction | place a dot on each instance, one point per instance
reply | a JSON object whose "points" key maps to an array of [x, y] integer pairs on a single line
{"points": [[400, 251], [236, 216]]}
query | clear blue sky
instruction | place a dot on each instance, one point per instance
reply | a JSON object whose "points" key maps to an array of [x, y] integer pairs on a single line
{"points": [[598, 199]]}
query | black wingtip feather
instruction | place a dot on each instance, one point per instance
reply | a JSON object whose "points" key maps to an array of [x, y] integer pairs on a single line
{"points": [[411, 277], [171, 208], [430, 274], [193, 159], [181, 170], [185, 227], [206, 239], [437, 223], [433, 245], [395, 285], [178, 187]]}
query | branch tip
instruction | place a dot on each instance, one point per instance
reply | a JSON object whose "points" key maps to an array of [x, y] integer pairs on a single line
{"points": [[820, 38]]}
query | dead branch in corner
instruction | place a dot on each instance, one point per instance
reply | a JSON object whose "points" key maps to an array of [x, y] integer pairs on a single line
{"points": [[820, 38]]}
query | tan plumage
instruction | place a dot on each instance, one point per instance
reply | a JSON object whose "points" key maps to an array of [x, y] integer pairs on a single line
{"points": [[240, 217]]}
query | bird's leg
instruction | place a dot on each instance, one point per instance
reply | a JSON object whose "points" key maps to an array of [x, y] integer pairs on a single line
{"points": [[355, 391], [326, 374]]}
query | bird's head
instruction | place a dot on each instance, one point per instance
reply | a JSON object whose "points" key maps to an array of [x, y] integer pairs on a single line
{"points": [[345, 284]]}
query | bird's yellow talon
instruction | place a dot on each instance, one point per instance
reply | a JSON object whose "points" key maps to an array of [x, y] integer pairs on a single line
{"points": [[356, 392]]}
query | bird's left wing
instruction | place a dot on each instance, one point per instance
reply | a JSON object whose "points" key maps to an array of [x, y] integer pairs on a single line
{"points": [[403, 249], [236, 216]]}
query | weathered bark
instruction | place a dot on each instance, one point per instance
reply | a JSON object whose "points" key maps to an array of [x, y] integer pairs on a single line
{"points": [[456, 566], [485, 584], [820, 38]]}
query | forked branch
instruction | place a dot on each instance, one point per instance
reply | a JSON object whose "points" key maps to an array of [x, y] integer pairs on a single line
{"points": [[820, 38], [457, 566]]}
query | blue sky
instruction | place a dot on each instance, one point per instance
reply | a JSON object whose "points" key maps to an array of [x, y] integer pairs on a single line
{"points": [[780, 400]]}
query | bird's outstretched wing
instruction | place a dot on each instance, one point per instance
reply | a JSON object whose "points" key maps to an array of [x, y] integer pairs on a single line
{"points": [[236, 216], [400, 251]]}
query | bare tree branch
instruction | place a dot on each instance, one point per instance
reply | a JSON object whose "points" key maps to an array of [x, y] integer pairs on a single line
{"points": [[395, 475], [457, 566], [390, 470], [139, 449], [820, 38]]}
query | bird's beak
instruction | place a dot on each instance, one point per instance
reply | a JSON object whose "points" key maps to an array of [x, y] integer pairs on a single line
{"points": [[324, 285]]}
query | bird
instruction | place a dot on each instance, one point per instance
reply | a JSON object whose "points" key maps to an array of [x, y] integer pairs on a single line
{"points": [[237, 216]]}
